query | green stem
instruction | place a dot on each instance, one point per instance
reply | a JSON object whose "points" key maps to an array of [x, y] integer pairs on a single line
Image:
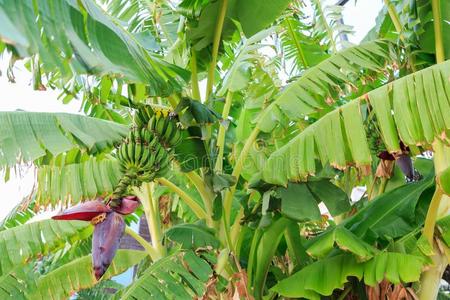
{"points": [[173, 100], [222, 261], [394, 17], [225, 234], [430, 220], [236, 227], [383, 183], [297, 251], [228, 201], [194, 76], [399, 28], [436, 6], [371, 188], [150, 250], [345, 293], [222, 131], [216, 43], [151, 210], [441, 162], [193, 205], [429, 280], [251, 257], [206, 194]]}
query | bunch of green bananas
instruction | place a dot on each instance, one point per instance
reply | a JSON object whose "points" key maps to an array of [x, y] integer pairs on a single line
{"points": [[373, 134], [142, 158], [160, 121], [166, 129]]}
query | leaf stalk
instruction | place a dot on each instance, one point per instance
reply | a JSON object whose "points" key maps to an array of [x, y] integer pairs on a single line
{"points": [[222, 131], [149, 248], [439, 45], [193, 205], [215, 49], [151, 210]]}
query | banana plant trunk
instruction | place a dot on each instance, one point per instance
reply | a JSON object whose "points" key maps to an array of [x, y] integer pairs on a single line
{"points": [[431, 278]]}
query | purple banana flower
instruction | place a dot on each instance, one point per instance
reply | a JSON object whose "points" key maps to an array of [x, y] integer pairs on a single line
{"points": [[85, 211], [105, 242], [108, 230], [127, 205]]}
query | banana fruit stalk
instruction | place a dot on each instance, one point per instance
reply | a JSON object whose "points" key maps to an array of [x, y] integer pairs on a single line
{"points": [[108, 230]]}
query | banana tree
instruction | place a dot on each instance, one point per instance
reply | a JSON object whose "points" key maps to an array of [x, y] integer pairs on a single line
{"points": [[246, 186]]}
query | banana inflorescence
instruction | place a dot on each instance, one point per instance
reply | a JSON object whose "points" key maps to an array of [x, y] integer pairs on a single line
{"points": [[144, 155]]}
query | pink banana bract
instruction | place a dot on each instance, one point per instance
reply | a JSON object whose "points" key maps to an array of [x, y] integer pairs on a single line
{"points": [[108, 230]]}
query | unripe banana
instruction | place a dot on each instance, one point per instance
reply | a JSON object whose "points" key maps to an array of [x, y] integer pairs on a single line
{"points": [[175, 137], [153, 143], [169, 130], [137, 153], [142, 135], [150, 162], [139, 120], [148, 112], [148, 136], [124, 153], [165, 162], [130, 152], [152, 123], [161, 126], [161, 154], [144, 157]]}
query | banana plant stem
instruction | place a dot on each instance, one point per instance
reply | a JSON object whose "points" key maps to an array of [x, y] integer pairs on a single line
{"points": [[383, 183], [441, 162], [227, 238], [228, 200], [222, 131], [204, 191], [398, 27], [394, 18], [150, 250], [152, 214], [196, 208], [222, 261], [216, 43], [194, 76], [430, 278], [439, 45], [236, 227], [345, 293], [154, 220], [173, 100], [371, 188], [430, 220], [252, 255]]}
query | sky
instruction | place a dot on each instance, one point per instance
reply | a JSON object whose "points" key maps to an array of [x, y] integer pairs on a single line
{"points": [[20, 95]]}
